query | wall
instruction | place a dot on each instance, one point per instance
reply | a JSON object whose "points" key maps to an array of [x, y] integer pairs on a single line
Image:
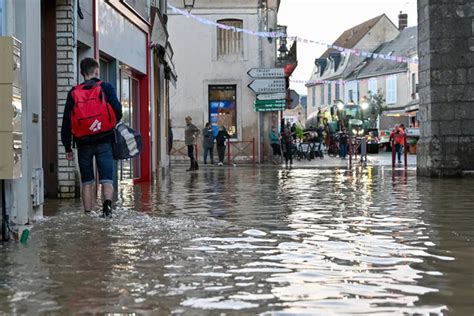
{"points": [[446, 51], [197, 68], [113, 26], [66, 79]]}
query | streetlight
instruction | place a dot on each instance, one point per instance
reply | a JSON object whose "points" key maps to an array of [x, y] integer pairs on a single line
{"points": [[188, 4]]}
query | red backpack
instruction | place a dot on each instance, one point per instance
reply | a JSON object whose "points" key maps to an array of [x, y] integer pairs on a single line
{"points": [[91, 114]]}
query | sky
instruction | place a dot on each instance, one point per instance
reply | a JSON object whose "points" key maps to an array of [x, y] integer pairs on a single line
{"points": [[325, 20]]}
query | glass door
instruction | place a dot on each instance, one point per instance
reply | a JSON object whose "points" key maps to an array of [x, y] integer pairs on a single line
{"points": [[130, 168]]}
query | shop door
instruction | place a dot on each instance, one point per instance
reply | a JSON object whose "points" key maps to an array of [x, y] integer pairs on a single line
{"points": [[129, 169]]}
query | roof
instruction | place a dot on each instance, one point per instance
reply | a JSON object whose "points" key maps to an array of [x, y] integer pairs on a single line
{"points": [[352, 36], [405, 44]]}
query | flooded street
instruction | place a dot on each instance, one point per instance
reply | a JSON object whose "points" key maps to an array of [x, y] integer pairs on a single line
{"points": [[250, 241]]}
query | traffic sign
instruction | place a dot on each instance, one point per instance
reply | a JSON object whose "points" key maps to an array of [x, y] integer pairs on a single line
{"points": [[267, 73], [295, 99], [268, 85], [271, 96], [263, 102], [269, 105]]}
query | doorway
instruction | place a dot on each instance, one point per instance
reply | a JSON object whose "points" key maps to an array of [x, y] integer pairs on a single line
{"points": [[129, 169], [49, 98]]}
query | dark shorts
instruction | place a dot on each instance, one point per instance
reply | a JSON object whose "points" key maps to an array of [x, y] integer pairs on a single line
{"points": [[104, 159]]}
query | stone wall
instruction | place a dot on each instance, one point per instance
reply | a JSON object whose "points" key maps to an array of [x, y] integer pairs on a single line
{"points": [[446, 52], [65, 81]]}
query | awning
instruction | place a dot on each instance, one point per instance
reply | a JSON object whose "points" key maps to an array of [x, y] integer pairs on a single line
{"points": [[412, 106]]}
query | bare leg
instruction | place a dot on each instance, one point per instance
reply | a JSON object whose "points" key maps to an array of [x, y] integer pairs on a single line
{"points": [[108, 189], [87, 194]]}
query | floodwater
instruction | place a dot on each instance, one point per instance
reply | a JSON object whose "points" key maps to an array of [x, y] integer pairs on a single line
{"points": [[237, 241]]}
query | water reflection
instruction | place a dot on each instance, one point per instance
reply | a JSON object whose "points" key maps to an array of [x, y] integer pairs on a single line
{"points": [[237, 240]]}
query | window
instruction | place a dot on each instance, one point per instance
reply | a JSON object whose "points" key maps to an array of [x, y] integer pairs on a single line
{"points": [[313, 96], [413, 85], [3, 17], [142, 7], [322, 94], [351, 96], [372, 86], [223, 108], [391, 94], [337, 88], [230, 43], [329, 94]]}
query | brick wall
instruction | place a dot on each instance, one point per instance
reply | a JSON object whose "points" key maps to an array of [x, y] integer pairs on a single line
{"points": [[65, 80]]}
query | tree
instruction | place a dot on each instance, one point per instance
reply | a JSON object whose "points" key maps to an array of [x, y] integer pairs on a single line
{"points": [[376, 107]]}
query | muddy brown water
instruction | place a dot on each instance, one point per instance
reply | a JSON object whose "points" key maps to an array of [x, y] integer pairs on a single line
{"points": [[239, 241]]}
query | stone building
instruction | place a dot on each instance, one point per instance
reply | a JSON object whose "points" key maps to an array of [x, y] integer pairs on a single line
{"points": [[213, 65]]}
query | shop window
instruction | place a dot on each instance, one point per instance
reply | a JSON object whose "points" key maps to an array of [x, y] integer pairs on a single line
{"points": [[372, 86], [223, 108], [230, 43], [391, 95], [104, 70]]}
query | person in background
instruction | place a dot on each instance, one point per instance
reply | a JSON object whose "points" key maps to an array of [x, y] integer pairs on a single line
{"points": [[208, 142], [221, 139], [287, 141], [343, 143], [190, 134], [398, 135], [275, 143], [170, 137], [293, 131]]}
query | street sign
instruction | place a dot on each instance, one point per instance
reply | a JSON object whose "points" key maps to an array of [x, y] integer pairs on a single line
{"points": [[268, 85], [271, 96], [263, 102], [267, 73], [269, 105]]}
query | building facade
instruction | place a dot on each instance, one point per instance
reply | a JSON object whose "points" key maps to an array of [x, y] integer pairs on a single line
{"points": [[127, 38], [213, 63], [328, 81]]}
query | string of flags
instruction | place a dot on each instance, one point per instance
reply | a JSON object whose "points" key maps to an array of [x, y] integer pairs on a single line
{"points": [[356, 52], [338, 81]]}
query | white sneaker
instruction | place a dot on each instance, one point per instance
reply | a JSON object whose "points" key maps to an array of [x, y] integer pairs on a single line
{"points": [[220, 164]]}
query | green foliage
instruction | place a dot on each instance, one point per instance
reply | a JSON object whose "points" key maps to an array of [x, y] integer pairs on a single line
{"points": [[376, 107]]}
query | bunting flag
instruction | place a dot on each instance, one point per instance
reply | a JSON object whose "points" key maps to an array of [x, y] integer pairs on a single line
{"points": [[356, 52]]}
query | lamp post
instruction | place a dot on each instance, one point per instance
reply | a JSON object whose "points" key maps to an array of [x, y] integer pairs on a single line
{"points": [[188, 4]]}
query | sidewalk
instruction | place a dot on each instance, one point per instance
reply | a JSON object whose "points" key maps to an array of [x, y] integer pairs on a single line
{"points": [[380, 159]]}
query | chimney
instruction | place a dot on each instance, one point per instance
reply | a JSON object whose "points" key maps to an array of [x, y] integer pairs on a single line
{"points": [[402, 21]]}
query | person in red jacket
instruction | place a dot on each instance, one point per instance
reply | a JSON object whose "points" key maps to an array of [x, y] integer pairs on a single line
{"points": [[398, 135]]}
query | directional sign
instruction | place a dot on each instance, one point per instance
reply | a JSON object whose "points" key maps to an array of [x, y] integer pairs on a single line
{"points": [[267, 73], [271, 96], [268, 85], [270, 105], [263, 102]]}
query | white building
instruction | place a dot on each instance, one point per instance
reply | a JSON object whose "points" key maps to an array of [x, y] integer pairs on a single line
{"points": [[213, 63], [327, 82]]}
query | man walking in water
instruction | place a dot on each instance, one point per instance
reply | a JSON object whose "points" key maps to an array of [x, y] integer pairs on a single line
{"points": [[90, 115], [190, 134]]}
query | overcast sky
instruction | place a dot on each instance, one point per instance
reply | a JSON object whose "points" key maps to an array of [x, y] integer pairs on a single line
{"points": [[325, 20]]}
